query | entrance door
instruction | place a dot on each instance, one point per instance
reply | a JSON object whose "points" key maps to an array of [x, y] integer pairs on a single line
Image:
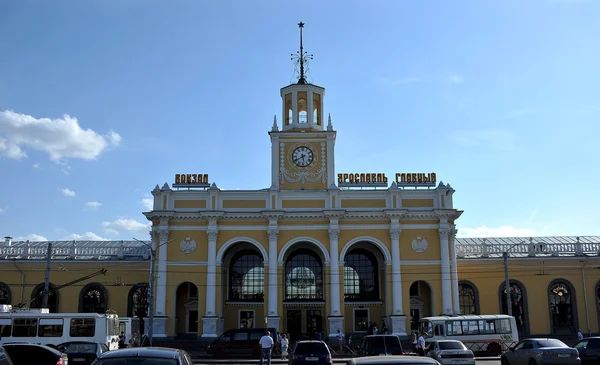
{"points": [[294, 324], [314, 323], [192, 322]]}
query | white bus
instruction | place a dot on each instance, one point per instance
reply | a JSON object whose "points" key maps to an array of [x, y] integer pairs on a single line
{"points": [[483, 334], [41, 327]]}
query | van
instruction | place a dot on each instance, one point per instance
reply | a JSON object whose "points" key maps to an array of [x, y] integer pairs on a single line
{"points": [[239, 342]]}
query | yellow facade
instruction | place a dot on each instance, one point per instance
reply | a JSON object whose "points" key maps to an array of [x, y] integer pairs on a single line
{"points": [[312, 252]]}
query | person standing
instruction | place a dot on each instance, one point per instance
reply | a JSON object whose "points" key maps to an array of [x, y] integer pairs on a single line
{"points": [[579, 335], [421, 344], [284, 347], [266, 345]]}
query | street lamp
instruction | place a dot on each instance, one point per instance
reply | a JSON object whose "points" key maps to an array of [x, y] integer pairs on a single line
{"points": [[507, 280], [151, 288]]}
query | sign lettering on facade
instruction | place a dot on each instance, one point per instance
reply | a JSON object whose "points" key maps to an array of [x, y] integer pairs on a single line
{"points": [[380, 180], [191, 180]]}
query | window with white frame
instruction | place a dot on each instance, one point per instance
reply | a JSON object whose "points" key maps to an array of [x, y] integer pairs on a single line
{"points": [[246, 319], [361, 320]]}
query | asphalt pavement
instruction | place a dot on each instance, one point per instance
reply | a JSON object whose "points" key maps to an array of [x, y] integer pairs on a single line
{"points": [[336, 361]]}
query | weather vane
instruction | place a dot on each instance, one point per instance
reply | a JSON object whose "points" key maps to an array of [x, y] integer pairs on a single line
{"points": [[301, 57]]}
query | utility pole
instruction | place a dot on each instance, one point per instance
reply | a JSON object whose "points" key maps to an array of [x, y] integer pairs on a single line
{"points": [[47, 281], [151, 295], [507, 283]]}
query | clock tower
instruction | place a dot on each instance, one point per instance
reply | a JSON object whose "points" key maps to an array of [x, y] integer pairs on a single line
{"points": [[303, 150]]}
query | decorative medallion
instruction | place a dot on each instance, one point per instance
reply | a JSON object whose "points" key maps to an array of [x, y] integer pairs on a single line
{"points": [[187, 245], [419, 244]]}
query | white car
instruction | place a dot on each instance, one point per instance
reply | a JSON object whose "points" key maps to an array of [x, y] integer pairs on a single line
{"points": [[451, 352], [393, 360]]}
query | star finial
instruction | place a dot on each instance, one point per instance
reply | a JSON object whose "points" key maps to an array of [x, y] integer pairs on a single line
{"points": [[301, 57], [301, 25]]}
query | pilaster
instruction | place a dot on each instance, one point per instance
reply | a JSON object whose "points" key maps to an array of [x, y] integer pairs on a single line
{"points": [[455, 295], [444, 231], [210, 319], [398, 319], [273, 318]]}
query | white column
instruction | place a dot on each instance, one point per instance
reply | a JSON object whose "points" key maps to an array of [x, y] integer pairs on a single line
{"points": [[444, 231], [161, 287], [455, 297], [274, 162], [309, 109], [396, 274], [294, 107], [273, 233], [398, 319], [334, 270], [209, 321]]}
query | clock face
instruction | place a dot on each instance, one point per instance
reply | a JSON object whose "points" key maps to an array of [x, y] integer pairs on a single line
{"points": [[302, 156]]}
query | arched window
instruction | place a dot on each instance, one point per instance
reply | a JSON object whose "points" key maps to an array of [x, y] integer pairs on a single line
{"points": [[137, 301], [247, 277], [5, 294], [92, 299], [468, 298], [561, 300], [38, 297], [303, 276], [361, 276], [518, 297]]}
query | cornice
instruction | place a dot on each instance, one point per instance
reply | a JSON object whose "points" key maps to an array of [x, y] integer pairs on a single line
{"points": [[159, 214], [376, 215]]}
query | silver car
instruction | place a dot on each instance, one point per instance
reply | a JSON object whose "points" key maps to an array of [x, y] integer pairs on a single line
{"points": [[451, 352], [541, 351], [393, 360]]}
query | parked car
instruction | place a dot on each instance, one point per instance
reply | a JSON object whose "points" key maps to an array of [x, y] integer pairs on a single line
{"points": [[393, 360], [144, 356], [380, 345], [81, 352], [31, 354], [4, 358], [448, 352], [310, 352], [541, 351], [589, 350], [239, 342]]}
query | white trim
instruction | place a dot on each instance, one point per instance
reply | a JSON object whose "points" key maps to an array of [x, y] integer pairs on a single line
{"points": [[382, 247], [312, 240], [240, 317], [420, 262], [187, 263], [354, 318], [311, 227], [235, 240]]}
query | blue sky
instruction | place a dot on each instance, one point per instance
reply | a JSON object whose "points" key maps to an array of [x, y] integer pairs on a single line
{"points": [[102, 100]]}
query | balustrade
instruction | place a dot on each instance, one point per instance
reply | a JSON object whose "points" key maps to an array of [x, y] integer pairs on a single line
{"points": [[532, 247], [74, 250]]}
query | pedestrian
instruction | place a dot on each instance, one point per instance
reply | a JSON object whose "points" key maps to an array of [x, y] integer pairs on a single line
{"points": [[421, 344], [284, 347], [579, 335], [266, 345], [340, 337]]}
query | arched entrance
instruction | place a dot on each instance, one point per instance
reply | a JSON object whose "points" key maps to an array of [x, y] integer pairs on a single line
{"points": [[563, 307], [186, 304], [421, 302], [304, 292], [518, 295], [37, 296]]}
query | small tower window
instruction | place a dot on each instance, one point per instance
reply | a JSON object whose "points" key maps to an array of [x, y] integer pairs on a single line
{"points": [[317, 109], [302, 107], [289, 115]]}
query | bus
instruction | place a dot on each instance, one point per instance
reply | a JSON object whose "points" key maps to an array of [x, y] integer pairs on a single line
{"points": [[483, 334], [41, 327]]}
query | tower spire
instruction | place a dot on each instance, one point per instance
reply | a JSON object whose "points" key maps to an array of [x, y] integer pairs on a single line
{"points": [[302, 57]]}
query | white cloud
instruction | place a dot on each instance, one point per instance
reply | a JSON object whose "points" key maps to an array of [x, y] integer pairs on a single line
{"points": [[93, 205], [36, 165], [87, 236], [67, 192], [125, 225], [1, 210], [31, 237], [495, 139], [455, 79], [148, 202], [61, 138], [505, 231]]}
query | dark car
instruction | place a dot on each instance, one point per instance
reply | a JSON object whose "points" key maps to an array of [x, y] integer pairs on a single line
{"points": [[144, 356], [81, 352], [384, 345], [30, 354], [239, 342], [4, 358], [589, 350], [310, 352], [540, 351]]}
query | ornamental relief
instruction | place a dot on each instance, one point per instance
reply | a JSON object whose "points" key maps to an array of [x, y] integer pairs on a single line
{"points": [[419, 244], [187, 245], [298, 174]]}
